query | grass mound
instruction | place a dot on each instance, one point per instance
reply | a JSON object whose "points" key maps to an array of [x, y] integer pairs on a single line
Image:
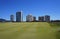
{"points": [[56, 27], [54, 24]]}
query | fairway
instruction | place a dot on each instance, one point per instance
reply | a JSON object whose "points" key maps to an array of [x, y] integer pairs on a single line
{"points": [[27, 30]]}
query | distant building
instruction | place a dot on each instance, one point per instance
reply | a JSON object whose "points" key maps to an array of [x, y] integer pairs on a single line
{"points": [[34, 18], [47, 18], [19, 17], [2, 20], [41, 18], [11, 18], [29, 18]]}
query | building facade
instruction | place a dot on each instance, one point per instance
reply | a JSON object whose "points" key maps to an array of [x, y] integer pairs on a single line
{"points": [[34, 18], [41, 18], [29, 18], [11, 18], [19, 17], [47, 18]]}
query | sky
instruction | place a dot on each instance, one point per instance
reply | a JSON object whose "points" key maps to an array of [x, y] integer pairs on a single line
{"points": [[34, 7]]}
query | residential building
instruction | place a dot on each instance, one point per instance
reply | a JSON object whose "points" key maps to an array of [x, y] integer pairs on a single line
{"points": [[47, 18], [29, 18], [19, 17], [11, 18], [41, 18], [34, 18]]}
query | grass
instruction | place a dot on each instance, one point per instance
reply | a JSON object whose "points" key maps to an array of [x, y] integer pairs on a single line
{"points": [[28, 30], [56, 26]]}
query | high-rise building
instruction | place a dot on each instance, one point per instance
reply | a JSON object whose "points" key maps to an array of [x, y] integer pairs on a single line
{"points": [[11, 18], [29, 18], [19, 17], [47, 18], [34, 18], [41, 18]]}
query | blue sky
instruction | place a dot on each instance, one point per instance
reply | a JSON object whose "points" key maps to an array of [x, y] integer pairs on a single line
{"points": [[34, 7]]}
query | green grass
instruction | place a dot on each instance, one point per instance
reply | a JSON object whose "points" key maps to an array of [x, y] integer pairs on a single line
{"points": [[27, 30], [56, 26]]}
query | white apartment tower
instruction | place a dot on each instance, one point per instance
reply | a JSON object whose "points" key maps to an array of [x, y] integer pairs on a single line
{"points": [[29, 18]]}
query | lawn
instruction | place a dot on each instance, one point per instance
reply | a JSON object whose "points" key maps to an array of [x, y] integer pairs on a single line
{"points": [[27, 30], [56, 27]]}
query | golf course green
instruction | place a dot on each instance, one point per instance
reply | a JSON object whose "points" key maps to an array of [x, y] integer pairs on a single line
{"points": [[28, 30]]}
